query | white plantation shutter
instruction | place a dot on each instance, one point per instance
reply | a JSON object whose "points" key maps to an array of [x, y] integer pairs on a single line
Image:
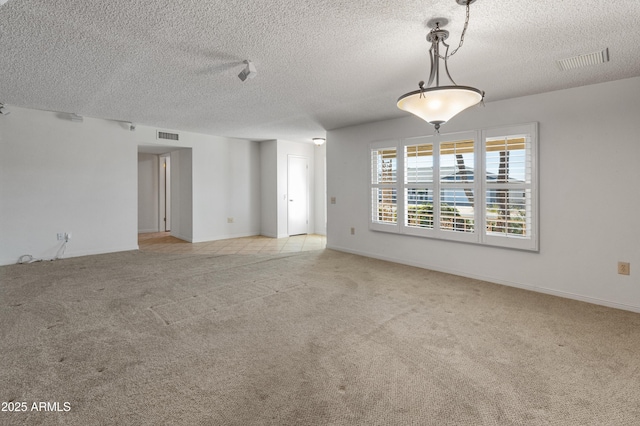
{"points": [[419, 163], [384, 182], [477, 187], [457, 188], [439, 186], [509, 187], [419, 183]]}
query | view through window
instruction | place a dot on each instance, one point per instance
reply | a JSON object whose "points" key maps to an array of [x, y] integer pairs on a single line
{"points": [[475, 186]]}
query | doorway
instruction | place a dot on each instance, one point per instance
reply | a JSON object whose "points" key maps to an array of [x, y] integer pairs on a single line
{"points": [[164, 182], [298, 195]]}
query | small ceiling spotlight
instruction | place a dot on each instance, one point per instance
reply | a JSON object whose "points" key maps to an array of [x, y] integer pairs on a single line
{"points": [[248, 72], [318, 141], [76, 118], [4, 110]]}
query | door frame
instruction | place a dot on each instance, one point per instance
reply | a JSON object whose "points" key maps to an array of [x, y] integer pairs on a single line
{"points": [[164, 192]]}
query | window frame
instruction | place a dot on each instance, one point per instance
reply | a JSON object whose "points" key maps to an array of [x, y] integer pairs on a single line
{"points": [[530, 130], [479, 186], [377, 225]]}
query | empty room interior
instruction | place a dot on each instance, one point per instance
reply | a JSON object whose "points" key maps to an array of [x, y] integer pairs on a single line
{"points": [[319, 213]]}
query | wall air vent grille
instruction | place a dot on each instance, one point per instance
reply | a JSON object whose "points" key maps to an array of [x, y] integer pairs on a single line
{"points": [[168, 136], [584, 60]]}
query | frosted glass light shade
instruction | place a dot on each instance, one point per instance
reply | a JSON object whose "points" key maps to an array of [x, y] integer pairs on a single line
{"points": [[437, 105]]}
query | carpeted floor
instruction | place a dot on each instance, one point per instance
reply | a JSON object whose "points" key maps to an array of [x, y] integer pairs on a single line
{"points": [[309, 338]]}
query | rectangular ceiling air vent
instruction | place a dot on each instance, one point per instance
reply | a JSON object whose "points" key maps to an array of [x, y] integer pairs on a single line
{"points": [[168, 136], [584, 60]]}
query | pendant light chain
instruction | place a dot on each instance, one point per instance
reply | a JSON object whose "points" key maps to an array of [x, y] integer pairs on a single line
{"points": [[464, 31]]}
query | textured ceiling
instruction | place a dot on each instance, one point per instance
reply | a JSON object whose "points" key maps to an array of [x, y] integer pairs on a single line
{"points": [[321, 64]]}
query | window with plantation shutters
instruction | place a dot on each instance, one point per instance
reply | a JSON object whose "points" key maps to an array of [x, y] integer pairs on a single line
{"points": [[510, 201], [477, 187], [384, 167]]}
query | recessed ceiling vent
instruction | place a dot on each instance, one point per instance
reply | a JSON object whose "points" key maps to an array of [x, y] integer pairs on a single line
{"points": [[168, 136], [587, 59]]}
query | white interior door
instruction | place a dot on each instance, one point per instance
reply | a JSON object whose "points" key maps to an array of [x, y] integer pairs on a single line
{"points": [[298, 195]]}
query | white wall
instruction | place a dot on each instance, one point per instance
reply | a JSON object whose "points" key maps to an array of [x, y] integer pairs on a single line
{"points": [[320, 188], [61, 176], [226, 185], [148, 192], [589, 198], [269, 188]]}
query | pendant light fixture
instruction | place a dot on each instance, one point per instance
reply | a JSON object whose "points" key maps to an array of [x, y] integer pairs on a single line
{"points": [[438, 104]]}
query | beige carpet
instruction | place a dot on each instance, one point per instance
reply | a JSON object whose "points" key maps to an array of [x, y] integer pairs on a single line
{"points": [[310, 338]]}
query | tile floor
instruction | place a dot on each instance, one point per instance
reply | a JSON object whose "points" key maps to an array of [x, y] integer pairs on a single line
{"points": [[163, 242]]}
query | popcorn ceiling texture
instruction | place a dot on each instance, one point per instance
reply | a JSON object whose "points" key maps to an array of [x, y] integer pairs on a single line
{"points": [[321, 64]]}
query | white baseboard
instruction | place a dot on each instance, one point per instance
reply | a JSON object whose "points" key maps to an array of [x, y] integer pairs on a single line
{"points": [[69, 254], [226, 237], [550, 291], [148, 231], [99, 251]]}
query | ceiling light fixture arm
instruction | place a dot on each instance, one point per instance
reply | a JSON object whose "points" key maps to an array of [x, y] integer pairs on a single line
{"points": [[435, 37], [434, 65]]}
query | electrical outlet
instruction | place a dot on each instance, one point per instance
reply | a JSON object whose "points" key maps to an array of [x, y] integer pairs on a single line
{"points": [[333, 200], [229, 220], [624, 268], [60, 236], [353, 231]]}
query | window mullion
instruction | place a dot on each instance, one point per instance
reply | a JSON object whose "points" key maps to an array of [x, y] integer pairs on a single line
{"points": [[400, 186], [436, 188], [481, 182]]}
